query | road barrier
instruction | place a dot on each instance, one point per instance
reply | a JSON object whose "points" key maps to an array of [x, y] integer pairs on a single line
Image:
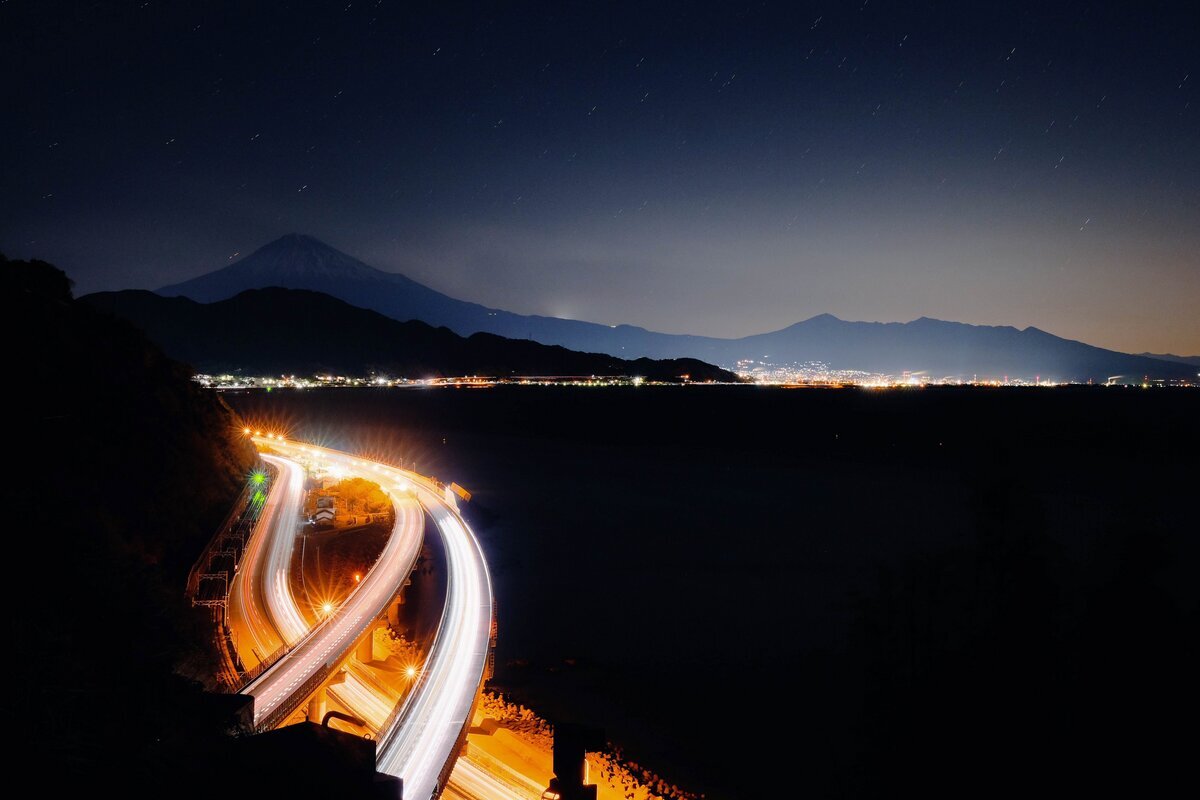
{"points": [[236, 518], [265, 664], [276, 717]]}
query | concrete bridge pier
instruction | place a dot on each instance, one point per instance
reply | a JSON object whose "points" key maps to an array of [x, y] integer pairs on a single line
{"points": [[316, 706], [320, 699], [393, 612], [365, 651]]}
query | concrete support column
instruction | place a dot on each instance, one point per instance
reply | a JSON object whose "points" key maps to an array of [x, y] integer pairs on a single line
{"points": [[316, 706], [393, 612], [365, 652]]}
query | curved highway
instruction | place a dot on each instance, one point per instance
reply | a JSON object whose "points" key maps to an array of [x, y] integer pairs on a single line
{"points": [[316, 652], [263, 607], [422, 734], [436, 713], [269, 550], [491, 781]]}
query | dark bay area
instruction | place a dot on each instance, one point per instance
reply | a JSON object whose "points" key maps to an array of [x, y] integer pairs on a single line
{"points": [[960, 591]]}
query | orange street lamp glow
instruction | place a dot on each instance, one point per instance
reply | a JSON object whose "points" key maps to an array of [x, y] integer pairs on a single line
{"points": [[357, 577], [411, 672], [327, 608], [246, 431]]}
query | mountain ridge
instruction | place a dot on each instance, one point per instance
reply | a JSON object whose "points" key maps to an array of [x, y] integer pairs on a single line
{"points": [[940, 348], [216, 338], [1192, 360]]}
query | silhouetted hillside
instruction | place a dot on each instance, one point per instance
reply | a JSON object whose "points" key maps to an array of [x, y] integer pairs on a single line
{"points": [[936, 347], [1193, 361], [287, 331], [126, 466]]}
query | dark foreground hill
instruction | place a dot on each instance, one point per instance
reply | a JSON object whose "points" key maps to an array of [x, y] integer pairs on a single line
{"points": [[939, 348], [287, 331], [123, 467]]}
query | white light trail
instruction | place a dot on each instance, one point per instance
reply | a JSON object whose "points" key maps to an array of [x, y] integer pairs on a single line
{"points": [[327, 644], [438, 709], [422, 738]]}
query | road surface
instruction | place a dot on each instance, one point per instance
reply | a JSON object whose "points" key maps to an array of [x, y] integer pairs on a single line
{"points": [[254, 631], [423, 733], [493, 781], [263, 608], [435, 714], [318, 651]]}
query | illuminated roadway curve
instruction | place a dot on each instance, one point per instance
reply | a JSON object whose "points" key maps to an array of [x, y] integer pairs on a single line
{"points": [[322, 648], [436, 712], [277, 574], [249, 601], [424, 734], [262, 605]]}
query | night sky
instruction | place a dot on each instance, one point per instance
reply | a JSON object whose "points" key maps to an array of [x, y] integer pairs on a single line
{"points": [[721, 169]]}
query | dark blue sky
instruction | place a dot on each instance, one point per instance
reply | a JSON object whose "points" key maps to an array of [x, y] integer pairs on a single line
{"points": [[721, 169]]}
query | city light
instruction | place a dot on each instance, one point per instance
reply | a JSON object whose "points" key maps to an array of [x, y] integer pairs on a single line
{"points": [[240, 382]]}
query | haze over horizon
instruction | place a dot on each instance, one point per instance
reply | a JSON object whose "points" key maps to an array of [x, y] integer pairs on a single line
{"points": [[294, 255], [684, 168]]}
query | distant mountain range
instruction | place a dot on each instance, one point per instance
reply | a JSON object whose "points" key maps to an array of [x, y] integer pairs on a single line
{"points": [[278, 331], [933, 347], [1193, 360]]}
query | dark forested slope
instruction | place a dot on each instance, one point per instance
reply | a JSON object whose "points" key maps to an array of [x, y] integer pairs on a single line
{"points": [[124, 466], [276, 331]]}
